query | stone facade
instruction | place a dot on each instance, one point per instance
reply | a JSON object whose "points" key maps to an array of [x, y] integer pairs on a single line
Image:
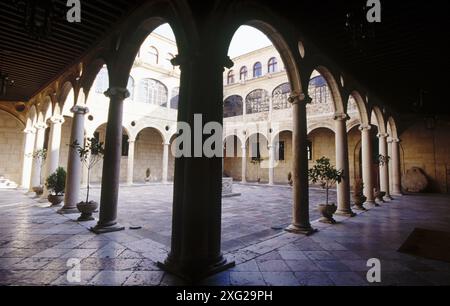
{"points": [[11, 147]]}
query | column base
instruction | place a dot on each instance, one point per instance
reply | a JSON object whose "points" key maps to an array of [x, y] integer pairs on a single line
{"points": [[398, 194], [296, 229], [193, 271], [388, 198], [109, 228], [67, 211], [345, 213]]}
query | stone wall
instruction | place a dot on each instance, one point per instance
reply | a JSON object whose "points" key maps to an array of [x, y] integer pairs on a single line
{"points": [[322, 145], [11, 147], [148, 154], [428, 149]]}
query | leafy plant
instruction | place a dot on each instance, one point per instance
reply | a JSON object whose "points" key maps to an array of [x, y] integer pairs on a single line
{"points": [[56, 182], [90, 154], [40, 156], [325, 174]]}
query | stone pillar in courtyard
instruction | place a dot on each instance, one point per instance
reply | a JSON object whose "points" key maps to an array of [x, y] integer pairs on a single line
{"points": [[343, 188], [130, 163], [271, 163], [395, 163], [38, 145], [300, 188], [384, 167], [244, 164], [366, 160], [165, 162], [197, 202], [74, 165], [111, 163], [54, 143], [27, 157]]}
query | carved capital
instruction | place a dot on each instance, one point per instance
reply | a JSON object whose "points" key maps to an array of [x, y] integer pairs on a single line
{"points": [[56, 120], [296, 98], [40, 126], [29, 131], [341, 117], [382, 135], [365, 127], [119, 92], [79, 110]]}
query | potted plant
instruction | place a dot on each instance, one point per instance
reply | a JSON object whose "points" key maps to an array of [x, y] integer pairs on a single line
{"points": [[147, 175], [56, 184], [358, 194], [39, 156], [90, 154], [327, 175], [290, 181]]}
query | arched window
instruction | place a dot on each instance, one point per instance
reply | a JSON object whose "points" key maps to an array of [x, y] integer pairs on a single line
{"points": [[130, 87], [243, 73], [153, 92], [318, 90], [230, 77], [153, 55], [174, 97], [257, 70], [232, 106], [257, 101], [101, 81], [272, 65], [280, 96]]}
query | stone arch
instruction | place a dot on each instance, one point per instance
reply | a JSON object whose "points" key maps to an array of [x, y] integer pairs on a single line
{"points": [[63, 94], [334, 88], [326, 124], [322, 143], [257, 146], [362, 109], [146, 125], [148, 154], [377, 115], [32, 117], [392, 126]]}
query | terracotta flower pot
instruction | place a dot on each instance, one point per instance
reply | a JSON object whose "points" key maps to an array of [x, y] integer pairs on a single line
{"points": [[327, 211], [55, 199], [359, 200], [379, 196], [86, 210], [39, 190]]}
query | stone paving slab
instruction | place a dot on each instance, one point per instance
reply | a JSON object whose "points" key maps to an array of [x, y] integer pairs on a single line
{"points": [[36, 242]]}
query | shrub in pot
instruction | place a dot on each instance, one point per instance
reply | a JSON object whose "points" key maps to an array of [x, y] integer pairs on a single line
{"points": [[358, 194], [90, 154], [56, 184], [327, 175]]}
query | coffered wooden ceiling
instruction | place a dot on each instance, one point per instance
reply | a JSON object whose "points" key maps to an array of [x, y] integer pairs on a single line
{"points": [[405, 63]]}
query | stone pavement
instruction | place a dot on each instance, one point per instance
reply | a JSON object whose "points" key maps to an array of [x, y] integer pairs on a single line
{"points": [[36, 243]]}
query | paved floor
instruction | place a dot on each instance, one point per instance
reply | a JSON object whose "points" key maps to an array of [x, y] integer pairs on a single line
{"points": [[36, 243]]}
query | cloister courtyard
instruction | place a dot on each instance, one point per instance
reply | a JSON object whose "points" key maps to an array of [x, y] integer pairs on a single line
{"points": [[36, 242]]}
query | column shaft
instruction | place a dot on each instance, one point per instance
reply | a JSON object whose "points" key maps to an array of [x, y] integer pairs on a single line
{"points": [[74, 165], [384, 170], [366, 159], [36, 176], [165, 163], [271, 164], [244, 165], [27, 157], [130, 164], [300, 188], [111, 170], [54, 143], [396, 171]]}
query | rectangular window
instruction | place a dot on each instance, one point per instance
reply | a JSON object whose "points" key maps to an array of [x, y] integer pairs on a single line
{"points": [[125, 145], [280, 150]]}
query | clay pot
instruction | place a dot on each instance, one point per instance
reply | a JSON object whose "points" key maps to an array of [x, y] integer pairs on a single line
{"points": [[327, 212], [39, 190], [359, 200], [86, 210], [379, 195], [55, 199]]}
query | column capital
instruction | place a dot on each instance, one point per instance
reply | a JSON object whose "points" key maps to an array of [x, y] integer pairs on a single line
{"points": [[393, 140], [131, 140], [341, 117], [243, 147], [296, 98], [40, 126], [365, 127], [56, 120], [382, 135], [165, 143], [118, 92], [29, 131], [79, 110]]}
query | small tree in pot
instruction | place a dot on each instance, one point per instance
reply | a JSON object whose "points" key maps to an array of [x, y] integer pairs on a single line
{"points": [[358, 194], [90, 154], [39, 156], [327, 175], [56, 184]]}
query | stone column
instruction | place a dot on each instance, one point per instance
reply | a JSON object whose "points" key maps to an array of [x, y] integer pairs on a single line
{"points": [[384, 167], [271, 163], [396, 171], [27, 157], [366, 159], [54, 143], [111, 171], [300, 188], [36, 176], [195, 250], [165, 162], [343, 188], [74, 165], [130, 165], [244, 164]]}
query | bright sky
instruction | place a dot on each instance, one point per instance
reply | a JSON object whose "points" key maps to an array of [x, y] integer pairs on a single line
{"points": [[245, 40]]}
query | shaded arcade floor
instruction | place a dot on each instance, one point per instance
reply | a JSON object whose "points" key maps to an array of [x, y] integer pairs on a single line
{"points": [[35, 242]]}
